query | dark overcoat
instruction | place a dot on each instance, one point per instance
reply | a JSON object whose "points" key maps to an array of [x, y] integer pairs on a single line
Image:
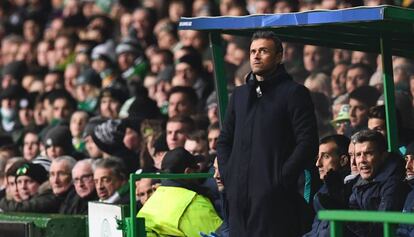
{"points": [[268, 138]]}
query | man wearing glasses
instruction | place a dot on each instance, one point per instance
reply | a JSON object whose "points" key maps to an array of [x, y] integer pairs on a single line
{"points": [[82, 177]]}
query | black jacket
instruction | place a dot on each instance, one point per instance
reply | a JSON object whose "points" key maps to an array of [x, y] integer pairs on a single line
{"points": [[46, 202], [385, 192], [74, 204], [266, 142]]}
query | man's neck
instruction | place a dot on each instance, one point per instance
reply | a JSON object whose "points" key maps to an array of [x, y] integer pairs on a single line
{"points": [[267, 75]]}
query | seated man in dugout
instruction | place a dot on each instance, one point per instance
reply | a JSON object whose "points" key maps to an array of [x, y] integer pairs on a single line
{"points": [[408, 230], [179, 207], [333, 165], [380, 185]]}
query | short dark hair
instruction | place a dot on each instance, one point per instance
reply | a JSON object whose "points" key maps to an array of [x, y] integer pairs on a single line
{"points": [[185, 120], [271, 36], [189, 92], [365, 94], [367, 69], [198, 136], [375, 137], [377, 112], [341, 141], [214, 126]]}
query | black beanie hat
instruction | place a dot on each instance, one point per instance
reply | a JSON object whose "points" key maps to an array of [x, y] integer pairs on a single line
{"points": [[109, 136], [410, 149], [16, 69], [178, 159], [59, 136], [35, 171]]}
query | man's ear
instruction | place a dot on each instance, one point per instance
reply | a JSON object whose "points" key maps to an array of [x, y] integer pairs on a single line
{"points": [[343, 160]]}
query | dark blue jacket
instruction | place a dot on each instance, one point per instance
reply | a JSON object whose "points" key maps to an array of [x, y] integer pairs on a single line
{"points": [[408, 230], [319, 228], [385, 192]]}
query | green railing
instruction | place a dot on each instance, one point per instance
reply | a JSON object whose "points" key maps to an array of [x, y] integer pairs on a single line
{"points": [[389, 220], [136, 226]]}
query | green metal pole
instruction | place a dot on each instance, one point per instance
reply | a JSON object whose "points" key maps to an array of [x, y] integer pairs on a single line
{"points": [[220, 81], [336, 229], [389, 96], [133, 231], [388, 229]]}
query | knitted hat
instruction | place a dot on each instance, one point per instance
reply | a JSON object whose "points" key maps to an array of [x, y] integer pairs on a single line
{"points": [[343, 115], [177, 160], [109, 136], [34, 171], [59, 136], [90, 126]]}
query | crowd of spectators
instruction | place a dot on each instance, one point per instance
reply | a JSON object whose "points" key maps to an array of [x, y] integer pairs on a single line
{"points": [[94, 90]]}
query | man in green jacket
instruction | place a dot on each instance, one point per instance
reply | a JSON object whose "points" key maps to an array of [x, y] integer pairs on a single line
{"points": [[179, 207]]}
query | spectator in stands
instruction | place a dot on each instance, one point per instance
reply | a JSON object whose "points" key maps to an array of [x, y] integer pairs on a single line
{"points": [[341, 122], [315, 59], [82, 176], [144, 190], [10, 124], [109, 138], [333, 165], [179, 206], [31, 145], [29, 178], [338, 80], [110, 102], [78, 122], [379, 185], [11, 192], [182, 101], [62, 105], [376, 119], [87, 87], [110, 180], [177, 130], [408, 230], [58, 142], [92, 149], [357, 75], [60, 176], [360, 100], [213, 134]]}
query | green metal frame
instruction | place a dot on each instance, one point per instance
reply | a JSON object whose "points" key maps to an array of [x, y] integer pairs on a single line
{"points": [[390, 220], [136, 226]]}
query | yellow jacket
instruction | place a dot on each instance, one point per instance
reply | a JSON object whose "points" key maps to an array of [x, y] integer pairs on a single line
{"points": [[174, 211]]}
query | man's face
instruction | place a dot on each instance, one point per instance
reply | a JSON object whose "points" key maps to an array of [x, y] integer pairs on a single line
{"points": [[125, 61], [77, 123], [351, 153], [30, 146], [368, 160], [338, 80], [60, 177], [378, 125], [109, 107], [311, 57], [409, 166], [178, 104], [27, 187], [61, 109], [212, 139], [83, 179], [132, 139], [358, 113], [11, 188], [217, 176], [185, 75], [106, 183], [176, 135], [92, 148], [144, 190], [356, 77], [55, 151], [263, 56], [327, 159]]}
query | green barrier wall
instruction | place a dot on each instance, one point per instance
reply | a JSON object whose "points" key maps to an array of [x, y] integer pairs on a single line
{"points": [[49, 225]]}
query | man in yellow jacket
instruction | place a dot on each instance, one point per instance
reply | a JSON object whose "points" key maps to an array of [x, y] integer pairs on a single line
{"points": [[179, 207]]}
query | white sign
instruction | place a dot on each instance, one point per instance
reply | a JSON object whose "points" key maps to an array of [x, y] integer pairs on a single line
{"points": [[102, 219]]}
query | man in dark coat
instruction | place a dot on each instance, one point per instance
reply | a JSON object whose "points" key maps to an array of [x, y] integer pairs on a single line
{"points": [[379, 186], [268, 138]]}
